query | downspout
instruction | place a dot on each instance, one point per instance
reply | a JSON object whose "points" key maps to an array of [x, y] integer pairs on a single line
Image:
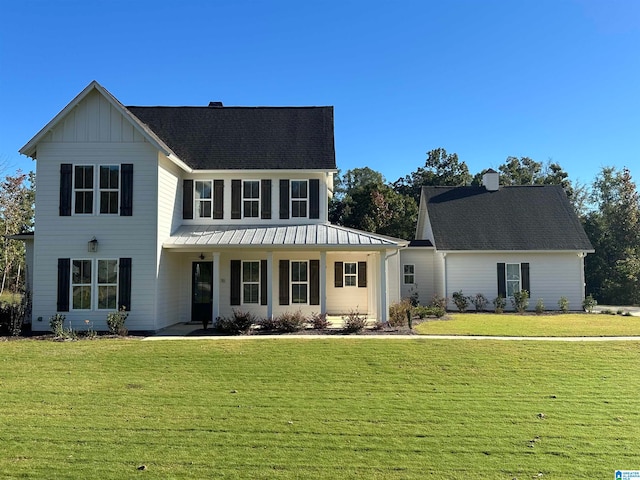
{"points": [[444, 287]]}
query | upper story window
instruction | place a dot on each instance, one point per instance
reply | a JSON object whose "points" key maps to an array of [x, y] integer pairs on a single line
{"points": [[251, 198], [203, 198], [109, 188], [83, 189], [299, 198]]}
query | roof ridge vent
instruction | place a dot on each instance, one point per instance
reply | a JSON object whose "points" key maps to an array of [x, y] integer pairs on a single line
{"points": [[215, 104]]}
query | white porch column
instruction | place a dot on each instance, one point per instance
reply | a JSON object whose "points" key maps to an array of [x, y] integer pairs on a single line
{"points": [[215, 295], [323, 282], [269, 285], [382, 310]]}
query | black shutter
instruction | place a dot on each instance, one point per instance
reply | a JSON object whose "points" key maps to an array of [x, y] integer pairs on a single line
{"points": [[283, 282], [362, 274], [64, 272], [236, 266], [314, 198], [66, 187], [338, 269], [218, 199], [314, 282], [126, 201], [263, 282], [187, 199], [236, 199], [524, 277], [124, 283], [502, 281], [284, 199], [265, 199]]}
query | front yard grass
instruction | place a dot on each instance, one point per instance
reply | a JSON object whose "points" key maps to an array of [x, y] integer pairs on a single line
{"points": [[530, 325], [338, 408]]}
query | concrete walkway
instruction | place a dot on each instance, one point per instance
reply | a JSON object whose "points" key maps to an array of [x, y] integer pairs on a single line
{"points": [[182, 331]]}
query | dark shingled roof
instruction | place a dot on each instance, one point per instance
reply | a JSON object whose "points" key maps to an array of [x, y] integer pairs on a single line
{"points": [[229, 138], [512, 218]]}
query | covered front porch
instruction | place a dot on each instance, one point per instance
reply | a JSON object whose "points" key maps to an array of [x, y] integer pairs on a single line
{"points": [[268, 271]]}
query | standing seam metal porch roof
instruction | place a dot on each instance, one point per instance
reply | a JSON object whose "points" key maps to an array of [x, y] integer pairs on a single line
{"points": [[278, 236]]}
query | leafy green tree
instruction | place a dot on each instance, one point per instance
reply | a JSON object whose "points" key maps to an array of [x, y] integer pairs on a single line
{"points": [[440, 169], [17, 195], [613, 271]]}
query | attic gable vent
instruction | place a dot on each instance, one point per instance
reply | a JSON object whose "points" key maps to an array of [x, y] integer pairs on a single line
{"points": [[215, 104]]}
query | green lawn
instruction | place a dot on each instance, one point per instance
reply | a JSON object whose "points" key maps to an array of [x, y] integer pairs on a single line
{"points": [[578, 325], [338, 408]]}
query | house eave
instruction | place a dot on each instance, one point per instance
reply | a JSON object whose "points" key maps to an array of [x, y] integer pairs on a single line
{"points": [[579, 250]]}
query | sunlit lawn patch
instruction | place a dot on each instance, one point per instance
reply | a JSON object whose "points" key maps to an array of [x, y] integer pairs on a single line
{"points": [[339, 408], [554, 325]]}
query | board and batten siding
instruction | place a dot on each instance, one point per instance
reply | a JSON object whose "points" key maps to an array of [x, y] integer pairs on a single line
{"points": [[552, 275], [118, 236]]}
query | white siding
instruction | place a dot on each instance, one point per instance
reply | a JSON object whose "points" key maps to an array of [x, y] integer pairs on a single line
{"points": [[67, 237], [552, 275], [423, 260], [345, 299]]}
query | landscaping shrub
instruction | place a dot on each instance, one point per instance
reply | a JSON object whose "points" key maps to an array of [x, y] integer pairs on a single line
{"points": [[56, 324], [539, 306], [354, 322], [462, 302], [319, 321], [270, 324], [563, 304], [438, 301], [430, 311], [239, 324], [520, 300], [589, 303], [291, 322], [12, 316], [115, 322], [479, 302], [499, 303], [398, 312]]}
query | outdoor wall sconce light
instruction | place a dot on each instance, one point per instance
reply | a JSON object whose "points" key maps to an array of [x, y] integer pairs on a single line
{"points": [[201, 257], [92, 245]]}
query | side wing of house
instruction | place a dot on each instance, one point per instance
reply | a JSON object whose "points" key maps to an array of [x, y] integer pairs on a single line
{"points": [[97, 180]]}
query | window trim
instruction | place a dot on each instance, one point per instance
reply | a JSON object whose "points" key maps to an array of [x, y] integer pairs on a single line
{"points": [[94, 286], [243, 282], [293, 282], [197, 201], [117, 190], [304, 199], [352, 275], [406, 274], [253, 200]]}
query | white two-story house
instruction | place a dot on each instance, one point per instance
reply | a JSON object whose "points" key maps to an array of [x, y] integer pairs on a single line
{"points": [[177, 213]]}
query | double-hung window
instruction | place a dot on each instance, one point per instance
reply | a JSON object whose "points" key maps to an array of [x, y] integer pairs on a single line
{"points": [[299, 282], [409, 274], [350, 274], [81, 278], [251, 198], [109, 188], [203, 198], [251, 282], [83, 189], [94, 288], [299, 198], [513, 278], [107, 284]]}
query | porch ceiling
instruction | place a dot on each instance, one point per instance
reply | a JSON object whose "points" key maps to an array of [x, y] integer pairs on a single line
{"points": [[278, 236]]}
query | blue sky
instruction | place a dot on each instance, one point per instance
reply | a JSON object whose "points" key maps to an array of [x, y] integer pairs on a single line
{"points": [[550, 79]]}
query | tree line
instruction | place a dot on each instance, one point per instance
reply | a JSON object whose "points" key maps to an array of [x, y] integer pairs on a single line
{"points": [[608, 207]]}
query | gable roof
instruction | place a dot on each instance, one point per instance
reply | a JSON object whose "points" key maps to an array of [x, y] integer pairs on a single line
{"points": [[511, 218], [30, 149], [234, 138]]}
